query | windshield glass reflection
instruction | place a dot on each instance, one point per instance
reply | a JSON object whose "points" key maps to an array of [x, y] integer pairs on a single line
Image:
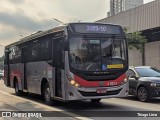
{"points": [[95, 54]]}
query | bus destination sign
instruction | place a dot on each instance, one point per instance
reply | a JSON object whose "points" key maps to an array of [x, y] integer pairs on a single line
{"points": [[97, 28]]}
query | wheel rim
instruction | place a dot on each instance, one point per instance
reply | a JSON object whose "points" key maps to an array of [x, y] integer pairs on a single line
{"points": [[47, 94], [142, 94]]}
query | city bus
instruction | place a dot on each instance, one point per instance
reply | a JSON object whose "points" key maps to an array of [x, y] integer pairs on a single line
{"points": [[75, 61]]}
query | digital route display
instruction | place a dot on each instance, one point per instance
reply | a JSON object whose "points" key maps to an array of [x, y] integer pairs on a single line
{"points": [[96, 28]]}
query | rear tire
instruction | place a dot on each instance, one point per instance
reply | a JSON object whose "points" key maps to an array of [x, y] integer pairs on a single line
{"points": [[47, 95], [17, 91], [95, 100]]}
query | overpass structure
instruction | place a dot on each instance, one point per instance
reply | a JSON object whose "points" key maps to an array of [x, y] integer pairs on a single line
{"points": [[145, 18]]}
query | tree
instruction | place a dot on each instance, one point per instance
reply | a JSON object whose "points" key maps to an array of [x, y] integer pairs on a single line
{"points": [[136, 40], [1, 62]]}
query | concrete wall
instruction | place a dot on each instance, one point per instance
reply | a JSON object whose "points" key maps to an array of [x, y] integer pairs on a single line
{"points": [[140, 18], [135, 58], [152, 55]]}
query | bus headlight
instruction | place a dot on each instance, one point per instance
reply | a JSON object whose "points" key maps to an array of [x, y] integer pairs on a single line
{"points": [[76, 85], [73, 82]]}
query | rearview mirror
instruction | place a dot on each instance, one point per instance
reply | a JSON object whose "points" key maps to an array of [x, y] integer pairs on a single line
{"points": [[133, 76]]}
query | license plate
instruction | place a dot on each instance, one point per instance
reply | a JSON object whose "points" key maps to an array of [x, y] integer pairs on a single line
{"points": [[100, 91]]}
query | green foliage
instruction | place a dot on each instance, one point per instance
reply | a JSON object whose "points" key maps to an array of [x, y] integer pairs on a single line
{"points": [[2, 58], [135, 40], [1, 62]]}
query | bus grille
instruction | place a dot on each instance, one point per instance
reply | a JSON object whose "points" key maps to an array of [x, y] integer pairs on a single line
{"points": [[115, 92]]}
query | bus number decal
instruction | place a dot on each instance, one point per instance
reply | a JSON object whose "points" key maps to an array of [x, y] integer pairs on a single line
{"points": [[112, 83], [96, 28]]}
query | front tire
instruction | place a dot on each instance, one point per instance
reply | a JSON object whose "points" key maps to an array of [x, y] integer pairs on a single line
{"points": [[47, 95], [142, 94], [95, 100]]}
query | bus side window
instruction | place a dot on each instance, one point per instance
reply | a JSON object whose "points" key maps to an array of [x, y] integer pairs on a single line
{"points": [[6, 57], [34, 51], [45, 49], [57, 52], [12, 54]]}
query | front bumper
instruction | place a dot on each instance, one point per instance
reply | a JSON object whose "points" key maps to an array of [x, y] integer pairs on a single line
{"points": [[154, 92], [84, 93]]}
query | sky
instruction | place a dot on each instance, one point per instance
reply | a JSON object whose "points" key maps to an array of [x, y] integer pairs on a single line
{"points": [[19, 18]]}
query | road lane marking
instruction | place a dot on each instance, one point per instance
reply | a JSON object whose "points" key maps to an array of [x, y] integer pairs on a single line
{"points": [[49, 107]]}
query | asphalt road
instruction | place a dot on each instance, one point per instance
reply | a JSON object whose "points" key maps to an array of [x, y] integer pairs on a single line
{"points": [[78, 109]]}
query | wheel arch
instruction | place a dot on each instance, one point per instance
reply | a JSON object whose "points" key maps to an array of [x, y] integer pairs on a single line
{"points": [[43, 82]]}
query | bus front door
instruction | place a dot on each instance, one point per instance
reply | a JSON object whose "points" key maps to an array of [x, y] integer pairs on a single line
{"points": [[57, 56], [23, 60], [7, 69]]}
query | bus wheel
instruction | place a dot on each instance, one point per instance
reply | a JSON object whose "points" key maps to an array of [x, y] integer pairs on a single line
{"points": [[17, 91], [95, 100], [47, 95]]}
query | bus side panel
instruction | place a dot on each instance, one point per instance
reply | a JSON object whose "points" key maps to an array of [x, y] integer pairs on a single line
{"points": [[16, 71], [6, 78], [6, 68], [36, 72]]}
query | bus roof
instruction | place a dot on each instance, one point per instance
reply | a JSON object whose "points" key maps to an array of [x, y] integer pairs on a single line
{"points": [[37, 35], [53, 30]]}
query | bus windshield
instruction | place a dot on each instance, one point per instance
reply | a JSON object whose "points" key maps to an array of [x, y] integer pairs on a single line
{"points": [[97, 54]]}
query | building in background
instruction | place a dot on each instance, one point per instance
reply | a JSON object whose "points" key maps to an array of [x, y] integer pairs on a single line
{"points": [[129, 4], [145, 18], [117, 6]]}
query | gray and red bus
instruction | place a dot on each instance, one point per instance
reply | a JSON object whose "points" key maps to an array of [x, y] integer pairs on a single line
{"points": [[76, 61]]}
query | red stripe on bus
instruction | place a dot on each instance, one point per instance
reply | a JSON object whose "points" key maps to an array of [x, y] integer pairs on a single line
{"points": [[85, 83], [15, 73]]}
